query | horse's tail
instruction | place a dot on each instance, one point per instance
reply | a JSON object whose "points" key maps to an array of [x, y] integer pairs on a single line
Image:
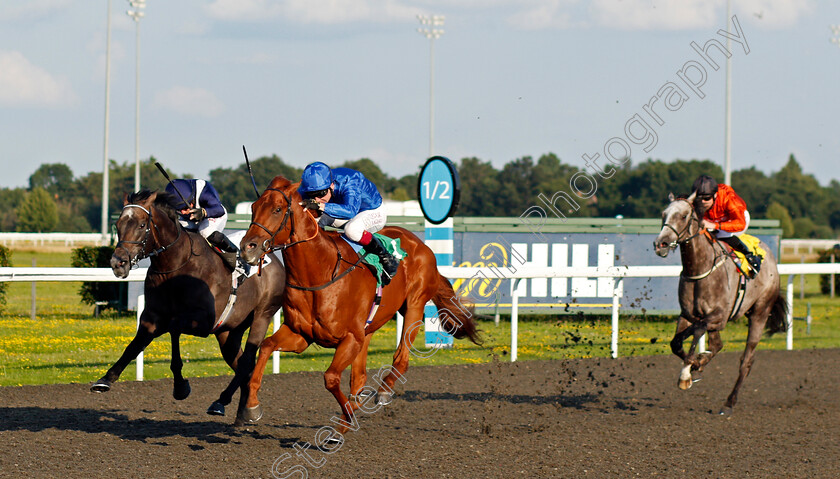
{"points": [[777, 321], [456, 319]]}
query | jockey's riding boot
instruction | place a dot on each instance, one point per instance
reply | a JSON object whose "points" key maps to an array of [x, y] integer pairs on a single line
{"points": [[389, 263], [739, 246], [228, 249]]}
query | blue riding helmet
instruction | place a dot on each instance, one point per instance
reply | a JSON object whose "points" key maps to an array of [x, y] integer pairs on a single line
{"points": [[316, 177]]}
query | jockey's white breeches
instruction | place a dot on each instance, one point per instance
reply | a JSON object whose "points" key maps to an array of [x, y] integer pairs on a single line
{"points": [[207, 226], [368, 220]]}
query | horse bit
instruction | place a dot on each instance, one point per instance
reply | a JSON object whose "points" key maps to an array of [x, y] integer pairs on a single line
{"points": [[678, 241], [136, 259], [268, 244]]}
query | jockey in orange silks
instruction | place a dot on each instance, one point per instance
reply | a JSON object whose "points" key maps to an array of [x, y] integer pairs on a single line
{"points": [[726, 214]]}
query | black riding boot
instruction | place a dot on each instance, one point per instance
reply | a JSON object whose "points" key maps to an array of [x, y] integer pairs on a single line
{"points": [[739, 246], [229, 250], [389, 263]]}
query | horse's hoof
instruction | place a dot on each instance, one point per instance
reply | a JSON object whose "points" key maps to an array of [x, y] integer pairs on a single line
{"points": [[101, 386], [362, 396], [248, 415], [181, 391], [725, 411], [334, 441], [685, 384], [384, 398], [216, 409]]}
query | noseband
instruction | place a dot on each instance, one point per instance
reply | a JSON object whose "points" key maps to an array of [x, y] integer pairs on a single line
{"points": [[141, 254]]}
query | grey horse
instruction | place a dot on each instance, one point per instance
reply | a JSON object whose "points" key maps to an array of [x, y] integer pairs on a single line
{"points": [[708, 293]]}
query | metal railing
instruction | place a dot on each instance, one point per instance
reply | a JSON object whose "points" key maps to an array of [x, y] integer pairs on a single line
{"points": [[618, 273]]}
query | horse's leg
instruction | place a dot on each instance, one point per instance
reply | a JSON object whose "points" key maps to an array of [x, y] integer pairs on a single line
{"points": [[181, 389], [689, 360], [146, 332], [411, 325], [715, 345], [683, 331], [346, 351], [283, 340], [229, 345], [245, 365], [358, 373], [757, 322]]}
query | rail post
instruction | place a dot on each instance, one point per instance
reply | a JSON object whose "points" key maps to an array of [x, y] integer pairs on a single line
{"points": [[614, 326], [141, 303], [514, 317], [275, 325], [789, 344]]}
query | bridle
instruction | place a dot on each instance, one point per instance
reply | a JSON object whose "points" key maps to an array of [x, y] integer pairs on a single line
{"points": [[681, 241], [269, 246], [142, 254], [694, 218]]}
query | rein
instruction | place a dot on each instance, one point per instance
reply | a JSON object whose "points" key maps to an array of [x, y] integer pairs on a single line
{"points": [[682, 241], [142, 254], [269, 246], [693, 218]]}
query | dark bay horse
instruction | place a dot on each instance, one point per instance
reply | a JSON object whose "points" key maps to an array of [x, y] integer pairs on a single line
{"points": [[707, 293], [187, 288], [332, 311]]}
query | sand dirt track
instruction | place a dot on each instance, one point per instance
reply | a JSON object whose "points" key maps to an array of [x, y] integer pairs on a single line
{"points": [[579, 418]]}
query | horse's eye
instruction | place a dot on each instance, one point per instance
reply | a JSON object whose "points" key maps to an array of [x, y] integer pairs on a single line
{"points": [[685, 217], [141, 226], [278, 210]]}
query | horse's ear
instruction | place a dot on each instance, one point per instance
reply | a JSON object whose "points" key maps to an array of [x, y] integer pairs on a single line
{"points": [[125, 199], [691, 197], [279, 181], [670, 197]]}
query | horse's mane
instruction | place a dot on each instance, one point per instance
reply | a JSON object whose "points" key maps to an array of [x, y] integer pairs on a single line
{"points": [[163, 200]]}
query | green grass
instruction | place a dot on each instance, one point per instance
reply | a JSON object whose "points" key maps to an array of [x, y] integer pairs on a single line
{"points": [[66, 344]]}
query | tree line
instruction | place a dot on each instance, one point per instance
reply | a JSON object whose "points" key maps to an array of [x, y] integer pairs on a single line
{"points": [[57, 201]]}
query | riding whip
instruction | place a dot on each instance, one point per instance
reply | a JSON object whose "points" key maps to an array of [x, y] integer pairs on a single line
{"points": [[166, 175], [248, 163]]}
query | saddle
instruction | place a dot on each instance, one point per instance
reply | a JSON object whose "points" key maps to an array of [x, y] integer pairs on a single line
{"points": [[740, 260], [371, 260]]}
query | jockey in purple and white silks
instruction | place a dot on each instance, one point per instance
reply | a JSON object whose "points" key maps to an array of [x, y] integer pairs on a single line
{"points": [[204, 213], [346, 198]]}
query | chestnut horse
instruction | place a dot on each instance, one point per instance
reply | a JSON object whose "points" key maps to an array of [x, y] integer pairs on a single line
{"points": [[329, 295], [187, 288], [708, 291]]}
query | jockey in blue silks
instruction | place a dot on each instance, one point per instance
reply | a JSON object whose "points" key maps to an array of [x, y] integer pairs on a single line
{"points": [[204, 213], [347, 199]]}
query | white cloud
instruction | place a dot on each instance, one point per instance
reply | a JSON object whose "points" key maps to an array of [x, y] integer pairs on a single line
{"points": [[774, 13], [244, 10], [24, 84], [694, 14], [524, 14], [189, 102], [659, 15], [543, 15], [328, 12]]}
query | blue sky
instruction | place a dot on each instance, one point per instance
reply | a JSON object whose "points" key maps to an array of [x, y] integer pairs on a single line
{"points": [[318, 80]]}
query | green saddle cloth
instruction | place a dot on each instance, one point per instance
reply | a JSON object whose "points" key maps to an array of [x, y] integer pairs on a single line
{"points": [[392, 245]]}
